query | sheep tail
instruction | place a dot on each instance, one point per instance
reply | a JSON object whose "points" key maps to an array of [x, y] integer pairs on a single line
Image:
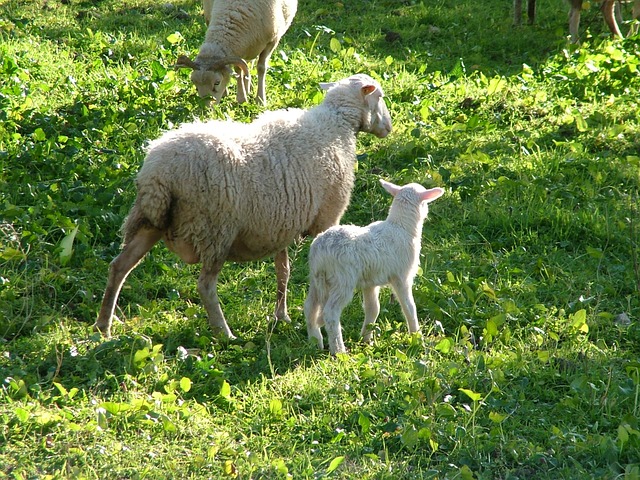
{"points": [[152, 209], [313, 304]]}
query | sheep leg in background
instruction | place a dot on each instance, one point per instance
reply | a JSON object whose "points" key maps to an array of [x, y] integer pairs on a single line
{"points": [[517, 12], [120, 267], [282, 276], [402, 289], [263, 65], [243, 85], [208, 289], [635, 13], [574, 20], [531, 11], [371, 304], [609, 12]]}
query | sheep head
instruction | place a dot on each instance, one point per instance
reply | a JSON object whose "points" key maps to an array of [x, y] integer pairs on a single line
{"points": [[375, 117], [211, 78]]}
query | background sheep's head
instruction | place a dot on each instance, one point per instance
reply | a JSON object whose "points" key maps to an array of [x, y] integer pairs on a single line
{"points": [[211, 80]]}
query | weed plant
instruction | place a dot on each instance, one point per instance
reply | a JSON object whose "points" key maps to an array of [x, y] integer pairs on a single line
{"points": [[528, 291]]}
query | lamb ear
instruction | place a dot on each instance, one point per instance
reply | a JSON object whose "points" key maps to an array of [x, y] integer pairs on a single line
{"points": [[368, 89], [431, 194], [185, 62], [327, 85], [390, 187]]}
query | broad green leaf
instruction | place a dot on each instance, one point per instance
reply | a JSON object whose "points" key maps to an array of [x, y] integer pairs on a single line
{"points": [[491, 328], [66, 246], [225, 389], [10, 253], [61, 389], [21, 414], [466, 473], [364, 423], [496, 84], [410, 436], [185, 384], [334, 45], [471, 394], [581, 123], [444, 345], [114, 408], [623, 434], [594, 252], [496, 417], [229, 468], [39, 135], [140, 356], [335, 463], [275, 407], [175, 38], [579, 321]]}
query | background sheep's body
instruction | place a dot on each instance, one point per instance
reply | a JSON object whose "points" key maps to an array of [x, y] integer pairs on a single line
{"points": [[238, 31], [346, 257], [608, 10], [220, 191]]}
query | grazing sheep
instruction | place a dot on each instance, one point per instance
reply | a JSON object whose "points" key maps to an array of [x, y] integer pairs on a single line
{"points": [[238, 31], [346, 257], [219, 191], [609, 8]]}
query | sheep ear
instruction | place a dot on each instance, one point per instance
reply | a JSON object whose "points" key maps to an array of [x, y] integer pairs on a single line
{"points": [[327, 85], [390, 187], [368, 89], [185, 62], [431, 194]]}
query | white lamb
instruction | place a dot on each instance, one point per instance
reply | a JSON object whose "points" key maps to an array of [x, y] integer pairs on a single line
{"points": [[219, 191], [346, 257], [238, 31]]}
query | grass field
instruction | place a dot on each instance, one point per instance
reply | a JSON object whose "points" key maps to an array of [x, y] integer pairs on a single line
{"points": [[528, 294]]}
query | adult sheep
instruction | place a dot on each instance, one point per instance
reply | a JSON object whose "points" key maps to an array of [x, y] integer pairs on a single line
{"points": [[219, 191], [238, 31]]}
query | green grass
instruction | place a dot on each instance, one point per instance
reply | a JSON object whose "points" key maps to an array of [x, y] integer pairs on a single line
{"points": [[529, 287]]}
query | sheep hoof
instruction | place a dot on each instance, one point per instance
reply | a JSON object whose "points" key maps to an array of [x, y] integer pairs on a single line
{"points": [[104, 331]]}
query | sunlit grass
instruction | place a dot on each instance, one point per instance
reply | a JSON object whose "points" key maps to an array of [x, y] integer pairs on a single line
{"points": [[527, 294]]}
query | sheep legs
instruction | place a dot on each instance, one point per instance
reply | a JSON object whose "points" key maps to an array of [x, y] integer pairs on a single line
{"points": [[208, 289], [282, 276], [321, 311], [405, 298], [119, 269], [331, 313], [371, 305], [243, 86], [263, 64], [517, 9]]}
